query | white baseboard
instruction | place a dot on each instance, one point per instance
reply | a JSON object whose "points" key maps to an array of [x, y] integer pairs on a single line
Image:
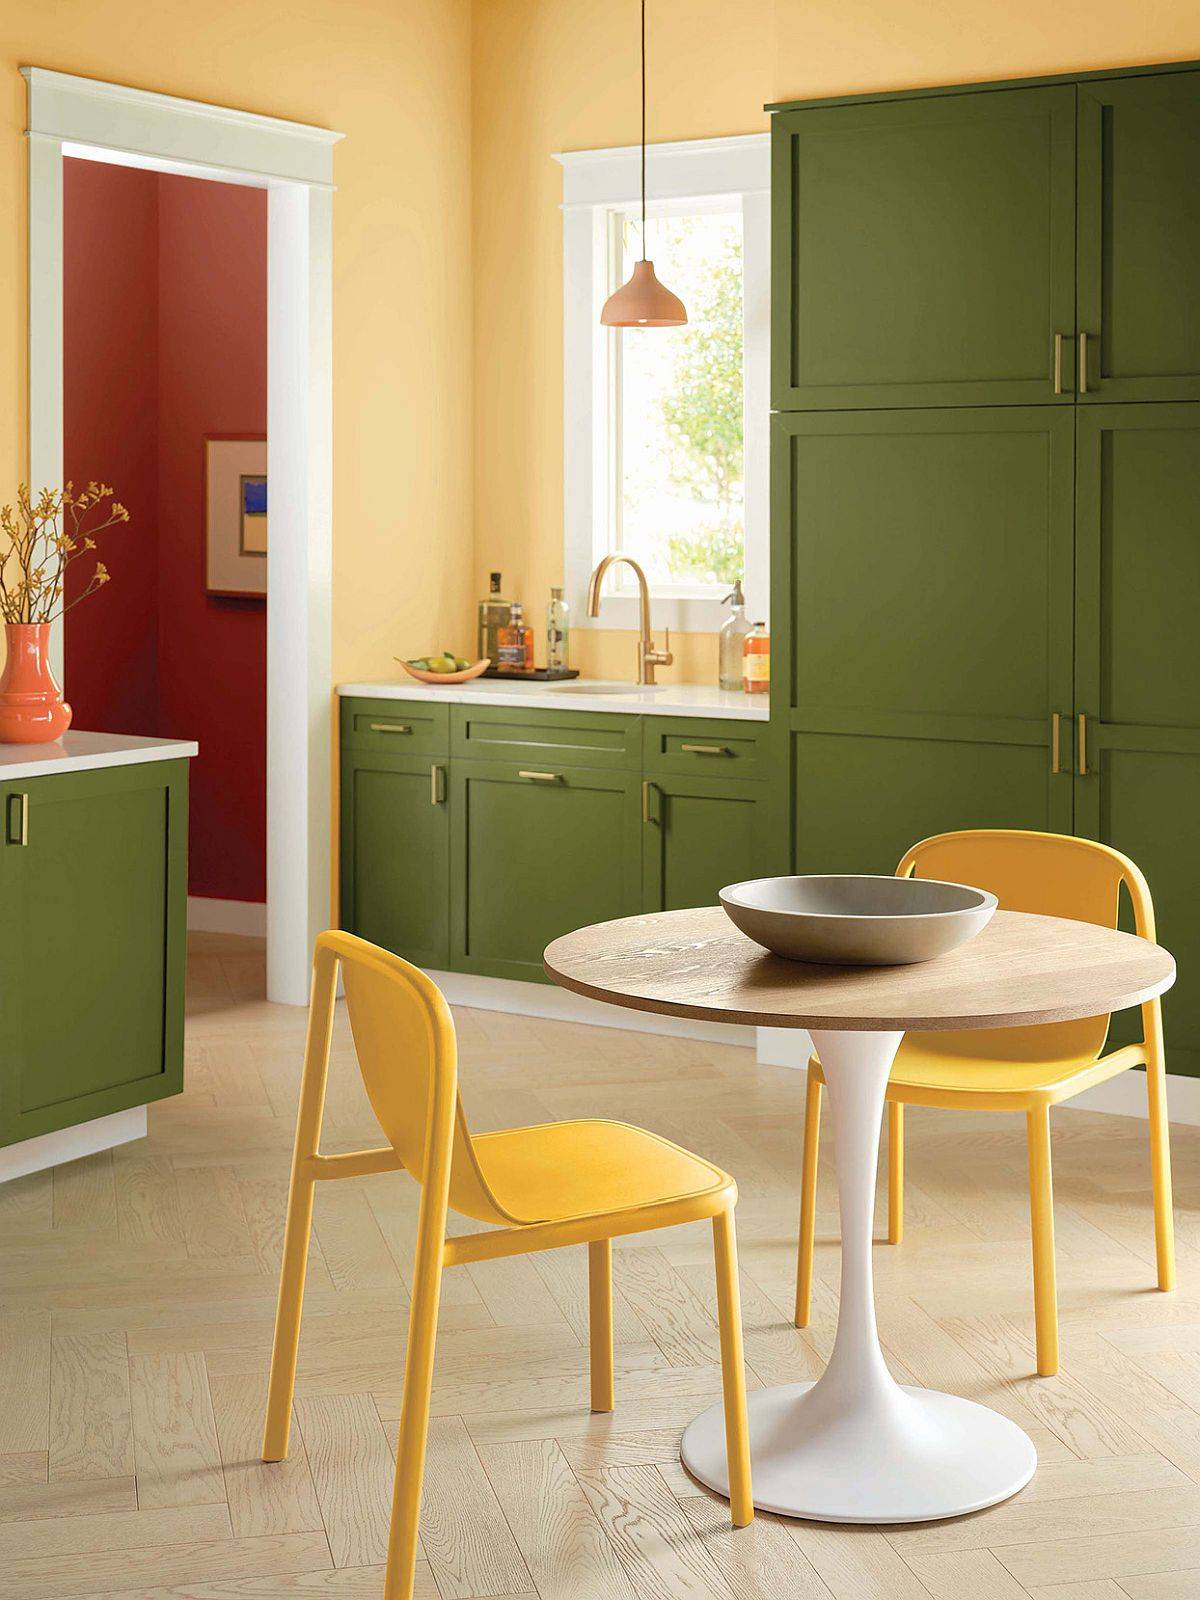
{"points": [[245, 917], [69, 1144], [1123, 1096], [561, 1005]]}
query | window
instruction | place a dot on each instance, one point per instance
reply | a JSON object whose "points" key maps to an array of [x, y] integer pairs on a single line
{"points": [[666, 429]]}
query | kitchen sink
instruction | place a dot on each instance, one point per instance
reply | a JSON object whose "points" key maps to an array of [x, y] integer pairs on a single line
{"points": [[609, 688]]}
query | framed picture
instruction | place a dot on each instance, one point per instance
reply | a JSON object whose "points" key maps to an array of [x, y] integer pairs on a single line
{"points": [[235, 514]]}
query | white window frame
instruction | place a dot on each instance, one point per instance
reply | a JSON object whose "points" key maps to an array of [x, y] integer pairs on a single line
{"points": [[597, 183]]}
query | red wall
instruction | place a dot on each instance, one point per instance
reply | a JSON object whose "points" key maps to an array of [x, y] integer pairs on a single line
{"points": [[110, 418], [165, 344]]}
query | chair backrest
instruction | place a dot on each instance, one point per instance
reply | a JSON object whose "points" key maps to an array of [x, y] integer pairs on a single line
{"points": [[408, 1055], [1055, 875]]}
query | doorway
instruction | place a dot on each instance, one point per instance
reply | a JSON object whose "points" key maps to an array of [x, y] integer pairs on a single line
{"points": [[79, 118]]}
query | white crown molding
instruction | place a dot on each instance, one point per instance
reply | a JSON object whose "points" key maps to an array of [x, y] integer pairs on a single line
{"points": [[163, 130], [682, 169]]}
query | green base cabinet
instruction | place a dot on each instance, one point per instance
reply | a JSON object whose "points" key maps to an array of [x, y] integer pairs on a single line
{"points": [[93, 882], [538, 852], [514, 826], [700, 835], [395, 853]]}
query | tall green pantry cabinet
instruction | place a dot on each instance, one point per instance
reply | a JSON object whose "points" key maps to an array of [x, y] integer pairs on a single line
{"points": [[986, 475]]}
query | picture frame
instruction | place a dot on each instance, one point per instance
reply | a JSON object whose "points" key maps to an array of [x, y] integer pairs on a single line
{"points": [[235, 515]]}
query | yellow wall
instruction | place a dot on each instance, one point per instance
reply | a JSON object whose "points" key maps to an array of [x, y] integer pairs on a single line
{"points": [[448, 240], [562, 75], [394, 76]]}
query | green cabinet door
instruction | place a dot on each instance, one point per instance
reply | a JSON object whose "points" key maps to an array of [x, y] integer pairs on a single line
{"points": [[924, 250], [537, 852], [1138, 672], [699, 835], [93, 889], [1139, 236], [923, 569], [395, 854]]}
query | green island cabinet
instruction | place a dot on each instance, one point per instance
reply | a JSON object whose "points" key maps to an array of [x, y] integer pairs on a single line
{"points": [[471, 836], [93, 885], [986, 475]]}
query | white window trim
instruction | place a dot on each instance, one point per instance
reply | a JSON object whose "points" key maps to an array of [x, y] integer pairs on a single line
{"points": [[595, 183]]}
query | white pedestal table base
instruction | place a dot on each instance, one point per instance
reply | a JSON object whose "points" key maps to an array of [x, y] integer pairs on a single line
{"points": [[855, 1446]]}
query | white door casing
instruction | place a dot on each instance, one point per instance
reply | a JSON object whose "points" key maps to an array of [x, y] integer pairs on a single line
{"points": [[72, 116]]}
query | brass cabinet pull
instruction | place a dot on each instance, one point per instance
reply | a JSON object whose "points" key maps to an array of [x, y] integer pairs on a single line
{"points": [[1058, 353], [541, 777], [391, 727], [1055, 743], [706, 749], [1083, 766], [437, 785], [647, 785], [22, 810], [1083, 388]]}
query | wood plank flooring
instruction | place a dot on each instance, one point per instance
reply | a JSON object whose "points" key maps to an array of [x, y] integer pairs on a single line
{"points": [[137, 1292]]}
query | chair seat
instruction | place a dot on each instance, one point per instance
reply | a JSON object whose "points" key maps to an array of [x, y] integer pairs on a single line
{"points": [[561, 1170], [932, 1068]]}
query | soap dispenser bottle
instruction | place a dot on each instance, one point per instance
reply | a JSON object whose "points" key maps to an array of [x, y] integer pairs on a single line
{"points": [[733, 638]]}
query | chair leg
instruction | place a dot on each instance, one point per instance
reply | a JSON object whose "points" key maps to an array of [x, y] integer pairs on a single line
{"points": [[733, 1369], [1041, 1216], [287, 1320], [300, 1209], [1160, 1172], [418, 1386], [600, 1322], [895, 1171], [808, 1200]]}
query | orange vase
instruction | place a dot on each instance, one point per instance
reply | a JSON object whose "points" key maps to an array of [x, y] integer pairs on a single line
{"points": [[32, 710]]}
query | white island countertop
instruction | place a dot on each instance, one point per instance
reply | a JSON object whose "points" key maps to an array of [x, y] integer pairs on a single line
{"points": [[83, 752], [577, 694]]}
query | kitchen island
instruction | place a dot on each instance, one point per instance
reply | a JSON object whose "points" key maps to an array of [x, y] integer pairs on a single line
{"points": [[93, 925]]}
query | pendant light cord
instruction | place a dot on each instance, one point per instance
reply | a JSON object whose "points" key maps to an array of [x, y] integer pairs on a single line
{"points": [[643, 130]]}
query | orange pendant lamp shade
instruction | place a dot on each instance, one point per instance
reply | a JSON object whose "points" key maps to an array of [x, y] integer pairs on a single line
{"points": [[643, 302]]}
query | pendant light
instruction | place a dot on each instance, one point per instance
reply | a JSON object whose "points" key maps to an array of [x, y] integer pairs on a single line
{"points": [[643, 302]]}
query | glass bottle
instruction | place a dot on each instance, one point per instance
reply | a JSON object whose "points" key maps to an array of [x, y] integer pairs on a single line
{"points": [[558, 627], [733, 635], [756, 660], [493, 614], [514, 642]]}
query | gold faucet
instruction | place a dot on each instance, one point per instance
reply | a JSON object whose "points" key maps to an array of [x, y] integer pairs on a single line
{"points": [[648, 656]]}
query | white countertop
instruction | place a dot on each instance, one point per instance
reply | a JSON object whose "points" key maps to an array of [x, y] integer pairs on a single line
{"points": [[577, 694], [82, 752]]}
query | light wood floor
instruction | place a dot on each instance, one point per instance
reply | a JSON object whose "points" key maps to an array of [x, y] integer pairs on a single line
{"points": [[137, 1294]]}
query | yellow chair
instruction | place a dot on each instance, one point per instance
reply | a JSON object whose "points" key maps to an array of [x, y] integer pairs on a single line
{"points": [[1017, 1069], [558, 1184]]}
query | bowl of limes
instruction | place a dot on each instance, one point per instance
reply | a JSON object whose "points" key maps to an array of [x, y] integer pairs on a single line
{"points": [[444, 668]]}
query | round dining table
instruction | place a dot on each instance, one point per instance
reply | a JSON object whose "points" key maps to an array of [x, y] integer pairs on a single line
{"points": [[855, 1446]]}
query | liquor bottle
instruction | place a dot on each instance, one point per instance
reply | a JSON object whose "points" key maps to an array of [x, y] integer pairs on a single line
{"points": [[514, 642], [733, 635], [756, 660], [558, 628], [493, 614]]}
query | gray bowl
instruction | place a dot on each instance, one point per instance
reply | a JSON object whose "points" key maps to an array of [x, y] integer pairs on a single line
{"points": [[858, 921]]}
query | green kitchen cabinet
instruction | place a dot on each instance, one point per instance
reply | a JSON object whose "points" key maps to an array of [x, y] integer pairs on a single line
{"points": [[1139, 236], [93, 884], [699, 834], [924, 593], [395, 851], [1137, 673], [536, 852], [923, 250]]}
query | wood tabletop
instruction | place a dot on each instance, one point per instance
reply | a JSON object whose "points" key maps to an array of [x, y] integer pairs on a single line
{"points": [[1021, 969]]}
